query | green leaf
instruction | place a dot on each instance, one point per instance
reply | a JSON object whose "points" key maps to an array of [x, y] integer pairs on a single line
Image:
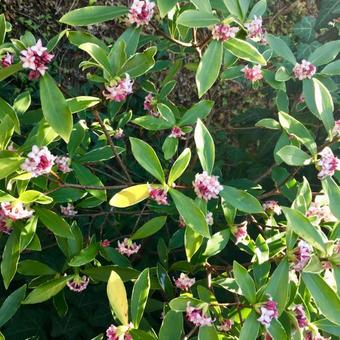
{"points": [[209, 67], [332, 69], [34, 268], [241, 200], [2, 28], [151, 123], [282, 74], [11, 305], [234, 7], [82, 103], [140, 63], [262, 249], [205, 147], [281, 49], [202, 5], [22, 102], [217, 243], [207, 333], [80, 37], [98, 54], [55, 108], [179, 166], [166, 113], [193, 18], [328, 326], [139, 296], [268, 123], [30, 196], [192, 242], [92, 15], [85, 256], [8, 163], [325, 53], [250, 328], [245, 282], [170, 147], [259, 9], [149, 228], [199, 110], [86, 177], [131, 38], [172, 326], [277, 331], [9, 71], [130, 196], [28, 232], [325, 298], [333, 192], [232, 72], [305, 29], [278, 285], [10, 258], [319, 102], [117, 297], [147, 158], [6, 109], [179, 304], [294, 156], [244, 50], [329, 9], [302, 134], [46, 290], [165, 6], [302, 226], [54, 222], [192, 215]]}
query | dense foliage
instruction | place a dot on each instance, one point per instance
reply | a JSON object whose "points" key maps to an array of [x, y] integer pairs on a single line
{"points": [[125, 215]]}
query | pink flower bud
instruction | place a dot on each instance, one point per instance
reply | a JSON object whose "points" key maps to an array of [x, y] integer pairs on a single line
{"points": [[268, 312], [300, 316], [272, 206], [197, 317], [224, 32], [302, 254], [7, 60], [63, 164], [177, 132], [252, 74], [119, 91], [206, 187], [184, 282], [328, 163], [141, 12], [127, 247], [78, 284], [304, 70], [255, 31], [159, 195], [39, 161], [226, 325], [69, 210]]}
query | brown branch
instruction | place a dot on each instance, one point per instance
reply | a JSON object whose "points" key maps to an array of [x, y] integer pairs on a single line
{"points": [[109, 140]]}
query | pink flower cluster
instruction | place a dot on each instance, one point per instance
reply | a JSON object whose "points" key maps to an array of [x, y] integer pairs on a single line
{"points": [[255, 31], [158, 195], [118, 134], [224, 32], [150, 105], [7, 60], [105, 243], [36, 58], [302, 254], [209, 218], [226, 325], [268, 312], [319, 210], [78, 284], [206, 187], [16, 211], [39, 161], [240, 232], [141, 12], [4, 227], [300, 316], [304, 70], [63, 164], [272, 206], [197, 317], [119, 91], [184, 282], [127, 247], [252, 73], [336, 129], [177, 132], [111, 334], [68, 210], [328, 163]]}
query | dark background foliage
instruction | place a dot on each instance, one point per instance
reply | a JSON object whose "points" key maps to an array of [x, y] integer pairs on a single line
{"points": [[244, 152]]}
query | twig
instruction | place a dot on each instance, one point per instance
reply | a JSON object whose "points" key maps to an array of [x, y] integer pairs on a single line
{"points": [[109, 140]]}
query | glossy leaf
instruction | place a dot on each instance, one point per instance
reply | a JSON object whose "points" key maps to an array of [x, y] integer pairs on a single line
{"points": [[149, 228], [179, 166], [130, 196]]}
